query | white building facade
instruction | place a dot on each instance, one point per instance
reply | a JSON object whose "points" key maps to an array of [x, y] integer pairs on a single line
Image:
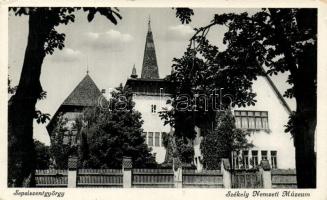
{"points": [[265, 120]]}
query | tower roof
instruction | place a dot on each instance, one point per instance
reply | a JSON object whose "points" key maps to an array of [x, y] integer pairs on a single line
{"points": [[150, 66], [134, 74], [86, 93]]}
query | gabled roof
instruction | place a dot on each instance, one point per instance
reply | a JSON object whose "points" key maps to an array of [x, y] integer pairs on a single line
{"points": [[278, 94], [86, 93]]}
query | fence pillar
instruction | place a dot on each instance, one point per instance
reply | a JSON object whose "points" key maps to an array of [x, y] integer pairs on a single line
{"points": [[72, 172], [225, 169], [266, 173], [127, 172], [178, 177]]}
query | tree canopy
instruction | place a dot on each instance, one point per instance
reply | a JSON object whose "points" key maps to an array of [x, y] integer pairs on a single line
{"points": [[43, 39], [269, 42], [113, 131], [222, 141]]}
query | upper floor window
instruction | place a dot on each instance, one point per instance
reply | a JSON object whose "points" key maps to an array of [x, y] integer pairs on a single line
{"points": [[255, 120], [153, 108]]}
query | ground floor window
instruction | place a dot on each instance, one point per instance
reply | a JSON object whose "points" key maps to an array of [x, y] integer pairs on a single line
{"points": [[273, 155], [264, 155], [247, 159], [254, 158], [150, 139]]}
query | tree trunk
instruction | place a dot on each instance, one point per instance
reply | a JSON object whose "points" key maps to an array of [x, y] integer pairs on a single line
{"points": [[21, 107], [306, 100], [305, 120], [303, 70]]}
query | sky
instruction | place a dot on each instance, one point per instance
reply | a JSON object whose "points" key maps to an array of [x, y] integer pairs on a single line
{"points": [[109, 51]]}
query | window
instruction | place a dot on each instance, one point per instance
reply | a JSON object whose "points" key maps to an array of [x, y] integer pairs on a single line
{"points": [[236, 164], [162, 138], [255, 158], [150, 139], [246, 159], [153, 108], [273, 155], [264, 155], [255, 120], [144, 134], [157, 139]]}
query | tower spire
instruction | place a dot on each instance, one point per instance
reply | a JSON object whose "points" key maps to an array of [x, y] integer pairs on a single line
{"points": [[149, 24], [150, 66], [87, 65], [134, 74]]}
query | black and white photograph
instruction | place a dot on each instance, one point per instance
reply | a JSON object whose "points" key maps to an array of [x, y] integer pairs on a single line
{"points": [[163, 97]]}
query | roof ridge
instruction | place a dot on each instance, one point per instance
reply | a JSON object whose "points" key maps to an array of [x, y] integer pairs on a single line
{"points": [[275, 89], [86, 93]]}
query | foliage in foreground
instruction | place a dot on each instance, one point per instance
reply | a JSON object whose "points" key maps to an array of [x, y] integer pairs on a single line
{"points": [[222, 141], [114, 132]]}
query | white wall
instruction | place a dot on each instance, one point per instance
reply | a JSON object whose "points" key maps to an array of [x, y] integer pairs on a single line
{"points": [[276, 139], [152, 121]]}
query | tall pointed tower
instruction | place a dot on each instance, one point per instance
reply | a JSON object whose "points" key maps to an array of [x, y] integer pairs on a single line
{"points": [[150, 94], [150, 66]]}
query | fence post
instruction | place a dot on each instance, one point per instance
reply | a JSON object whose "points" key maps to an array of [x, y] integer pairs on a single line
{"points": [[72, 172], [225, 169], [266, 173], [178, 177], [127, 172]]}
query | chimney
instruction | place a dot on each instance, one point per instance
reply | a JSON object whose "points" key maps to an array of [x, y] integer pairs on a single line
{"points": [[103, 91]]}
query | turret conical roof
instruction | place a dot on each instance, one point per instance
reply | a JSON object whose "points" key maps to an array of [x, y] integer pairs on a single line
{"points": [[150, 66]]}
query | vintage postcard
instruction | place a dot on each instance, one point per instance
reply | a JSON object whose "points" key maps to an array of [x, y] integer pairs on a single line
{"points": [[166, 99]]}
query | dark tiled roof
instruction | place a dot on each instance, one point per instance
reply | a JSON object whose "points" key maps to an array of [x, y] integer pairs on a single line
{"points": [[150, 66], [86, 93]]}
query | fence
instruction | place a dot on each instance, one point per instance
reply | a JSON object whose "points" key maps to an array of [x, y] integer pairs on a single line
{"points": [[51, 178], [128, 177], [283, 178], [204, 179], [100, 178], [153, 178], [247, 179]]}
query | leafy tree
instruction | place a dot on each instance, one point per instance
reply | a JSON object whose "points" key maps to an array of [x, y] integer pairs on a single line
{"points": [[60, 150], [43, 39], [279, 40], [179, 152], [113, 131], [42, 154], [222, 141]]}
